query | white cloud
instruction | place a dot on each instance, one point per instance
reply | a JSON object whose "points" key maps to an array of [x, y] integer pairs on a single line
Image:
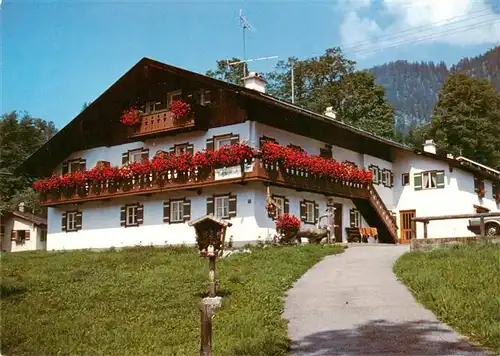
{"points": [[456, 22]]}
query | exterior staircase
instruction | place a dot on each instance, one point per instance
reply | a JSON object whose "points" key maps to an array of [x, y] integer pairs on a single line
{"points": [[377, 215]]}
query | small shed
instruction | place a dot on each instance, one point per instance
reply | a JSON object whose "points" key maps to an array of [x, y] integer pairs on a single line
{"points": [[210, 234]]}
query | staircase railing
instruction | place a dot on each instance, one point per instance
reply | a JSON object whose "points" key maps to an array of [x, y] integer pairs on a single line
{"points": [[387, 217]]}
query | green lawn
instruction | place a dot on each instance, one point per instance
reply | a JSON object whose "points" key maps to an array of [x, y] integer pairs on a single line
{"points": [[461, 285], [143, 301]]}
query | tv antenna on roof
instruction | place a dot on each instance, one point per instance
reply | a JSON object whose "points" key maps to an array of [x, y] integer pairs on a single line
{"points": [[246, 26]]}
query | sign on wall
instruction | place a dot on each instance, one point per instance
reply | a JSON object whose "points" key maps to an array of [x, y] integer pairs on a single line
{"points": [[231, 172]]}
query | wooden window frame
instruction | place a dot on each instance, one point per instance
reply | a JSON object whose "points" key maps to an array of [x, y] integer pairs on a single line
{"points": [[356, 214], [350, 163], [218, 198], [306, 204], [81, 162], [481, 209], [264, 139], [295, 147], [126, 208], [430, 175], [403, 177], [177, 201], [478, 184], [387, 178], [219, 138], [376, 173], [188, 147], [212, 142], [73, 214], [171, 94]]}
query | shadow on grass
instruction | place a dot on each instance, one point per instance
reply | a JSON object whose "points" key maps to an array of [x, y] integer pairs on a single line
{"points": [[7, 291], [380, 337]]}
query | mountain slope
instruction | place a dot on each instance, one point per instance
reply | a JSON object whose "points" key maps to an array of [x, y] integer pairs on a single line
{"points": [[413, 88]]}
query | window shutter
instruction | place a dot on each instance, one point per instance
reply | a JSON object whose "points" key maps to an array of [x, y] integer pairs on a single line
{"points": [[78, 221], [122, 216], [190, 149], [210, 205], [125, 158], [352, 219], [392, 180], [440, 179], [13, 235], [64, 222], [187, 210], [303, 215], [27, 235], [145, 154], [83, 164], [65, 167], [316, 213], [166, 212], [235, 139], [210, 144], [379, 173], [417, 181], [140, 214], [286, 206], [232, 206]]}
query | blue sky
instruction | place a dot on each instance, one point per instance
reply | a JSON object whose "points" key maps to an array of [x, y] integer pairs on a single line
{"points": [[59, 54]]}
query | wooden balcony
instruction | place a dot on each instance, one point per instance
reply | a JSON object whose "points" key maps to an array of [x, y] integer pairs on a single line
{"points": [[160, 122]]}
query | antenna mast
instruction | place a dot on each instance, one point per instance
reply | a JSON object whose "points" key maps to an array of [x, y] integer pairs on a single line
{"points": [[246, 26]]}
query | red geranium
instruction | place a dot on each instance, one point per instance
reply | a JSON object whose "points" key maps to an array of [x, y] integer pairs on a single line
{"points": [[131, 116], [180, 108], [287, 224], [233, 155]]}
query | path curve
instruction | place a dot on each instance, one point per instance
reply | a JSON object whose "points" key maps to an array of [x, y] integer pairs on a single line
{"points": [[353, 304]]}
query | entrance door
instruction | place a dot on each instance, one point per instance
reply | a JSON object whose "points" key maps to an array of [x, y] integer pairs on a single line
{"points": [[337, 222], [405, 222]]}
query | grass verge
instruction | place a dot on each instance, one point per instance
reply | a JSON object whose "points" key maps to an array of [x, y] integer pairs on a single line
{"points": [[461, 285], [143, 301]]}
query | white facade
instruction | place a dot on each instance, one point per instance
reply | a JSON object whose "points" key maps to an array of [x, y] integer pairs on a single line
{"points": [[101, 219], [456, 197], [37, 235]]}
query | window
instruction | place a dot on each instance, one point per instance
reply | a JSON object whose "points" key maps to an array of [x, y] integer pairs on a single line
{"points": [[135, 156], [206, 97], [132, 215], [43, 235], [73, 165], [173, 96], [309, 211], [387, 178], [222, 207], [428, 180], [478, 184], [71, 221], [222, 141], [297, 148], [350, 163], [405, 179], [176, 211], [153, 106], [182, 148], [355, 218], [265, 139], [375, 172], [280, 205]]}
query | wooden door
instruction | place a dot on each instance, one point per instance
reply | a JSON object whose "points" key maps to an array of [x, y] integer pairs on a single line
{"points": [[405, 223], [337, 222]]}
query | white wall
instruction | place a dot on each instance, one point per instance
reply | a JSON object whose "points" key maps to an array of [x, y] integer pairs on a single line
{"points": [[113, 154], [386, 193], [33, 243], [457, 197], [101, 220]]}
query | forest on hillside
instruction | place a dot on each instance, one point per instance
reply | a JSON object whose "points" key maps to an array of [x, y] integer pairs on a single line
{"points": [[413, 88]]}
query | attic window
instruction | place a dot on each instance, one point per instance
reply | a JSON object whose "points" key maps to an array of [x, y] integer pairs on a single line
{"points": [[173, 96]]}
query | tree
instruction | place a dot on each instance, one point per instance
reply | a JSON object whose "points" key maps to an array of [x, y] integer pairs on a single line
{"points": [[466, 120], [85, 105], [229, 73], [19, 138], [327, 80]]}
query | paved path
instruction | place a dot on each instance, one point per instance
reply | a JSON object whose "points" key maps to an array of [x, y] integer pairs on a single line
{"points": [[352, 304]]}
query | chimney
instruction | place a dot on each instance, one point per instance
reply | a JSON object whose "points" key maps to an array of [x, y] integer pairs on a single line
{"points": [[430, 146], [330, 113], [255, 82]]}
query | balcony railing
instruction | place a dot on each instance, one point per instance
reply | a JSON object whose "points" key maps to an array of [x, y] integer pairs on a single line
{"points": [[162, 121], [174, 180]]}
